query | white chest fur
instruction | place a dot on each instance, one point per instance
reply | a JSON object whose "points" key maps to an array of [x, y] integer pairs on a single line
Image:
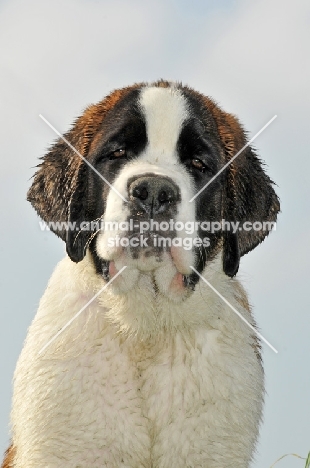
{"points": [[188, 396]]}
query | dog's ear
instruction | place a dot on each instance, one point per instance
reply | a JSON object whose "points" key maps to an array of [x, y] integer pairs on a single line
{"points": [[249, 194], [60, 191], [83, 212], [55, 182], [79, 216]]}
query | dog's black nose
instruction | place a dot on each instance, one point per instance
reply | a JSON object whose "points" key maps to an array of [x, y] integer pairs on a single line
{"points": [[154, 194]]}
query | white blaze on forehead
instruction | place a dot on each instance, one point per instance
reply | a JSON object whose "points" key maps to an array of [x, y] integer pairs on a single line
{"points": [[165, 111]]}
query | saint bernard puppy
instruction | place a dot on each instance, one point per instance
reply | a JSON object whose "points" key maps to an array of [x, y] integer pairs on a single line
{"points": [[157, 371]]}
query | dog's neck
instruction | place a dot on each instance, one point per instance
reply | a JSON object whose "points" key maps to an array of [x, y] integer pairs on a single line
{"points": [[145, 314]]}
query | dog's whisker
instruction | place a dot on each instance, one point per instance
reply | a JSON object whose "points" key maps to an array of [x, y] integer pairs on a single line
{"points": [[90, 239], [88, 223]]}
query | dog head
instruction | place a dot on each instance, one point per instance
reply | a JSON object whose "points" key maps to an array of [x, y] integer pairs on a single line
{"points": [[144, 152]]}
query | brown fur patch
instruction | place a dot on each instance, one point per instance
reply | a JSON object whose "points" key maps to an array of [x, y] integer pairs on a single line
{"points": [[9, 456]]}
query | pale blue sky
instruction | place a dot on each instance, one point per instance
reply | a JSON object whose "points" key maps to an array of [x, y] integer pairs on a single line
{"points": [[253, 58]]}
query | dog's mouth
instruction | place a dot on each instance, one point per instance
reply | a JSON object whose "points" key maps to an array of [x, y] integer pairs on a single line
{"points": [[162, 257], [108, 270]]}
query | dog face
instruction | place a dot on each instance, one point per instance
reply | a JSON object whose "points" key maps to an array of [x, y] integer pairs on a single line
{"points": [[147, 150]]}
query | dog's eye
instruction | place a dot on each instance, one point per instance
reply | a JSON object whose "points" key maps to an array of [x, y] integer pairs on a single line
{"points": [[119, 153], [198, 164]]}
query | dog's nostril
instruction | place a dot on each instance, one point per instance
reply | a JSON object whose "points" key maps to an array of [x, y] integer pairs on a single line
{"points": [[140, 192], [163, 196]]}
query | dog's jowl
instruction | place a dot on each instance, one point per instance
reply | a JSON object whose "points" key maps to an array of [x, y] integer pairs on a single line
{"points": [[157, 371]]}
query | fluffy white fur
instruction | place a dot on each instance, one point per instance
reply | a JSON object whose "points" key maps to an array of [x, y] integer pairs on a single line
{"points": [[163, 105], [137, 383]]}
